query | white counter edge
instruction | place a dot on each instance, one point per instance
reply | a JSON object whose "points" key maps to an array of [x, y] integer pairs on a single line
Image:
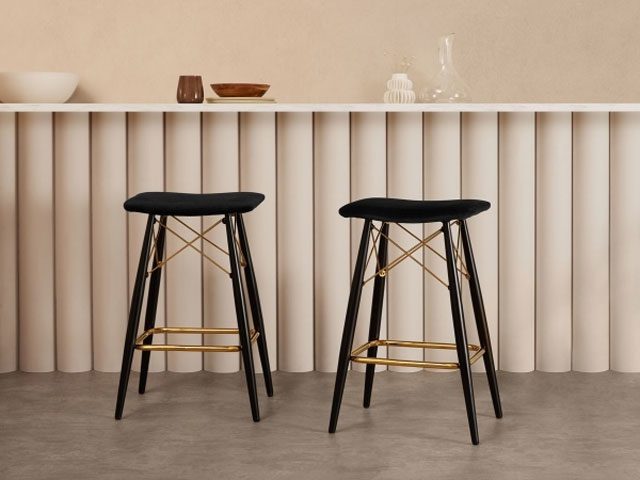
{"points": [[320, 107]]}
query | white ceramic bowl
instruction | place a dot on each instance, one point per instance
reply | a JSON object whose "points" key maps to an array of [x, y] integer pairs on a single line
{"points": [[37, 87]]}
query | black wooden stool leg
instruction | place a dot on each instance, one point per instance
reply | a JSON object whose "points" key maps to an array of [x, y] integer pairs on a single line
{"points": [[349, 326], [254, 302], [481, 319], [152, 301], [243, 324], [376, 312], [134, 318], [460, 334]]}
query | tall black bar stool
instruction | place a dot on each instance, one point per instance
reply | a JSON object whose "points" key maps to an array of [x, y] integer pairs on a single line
{"points": [[160, 206], [399, 211]]}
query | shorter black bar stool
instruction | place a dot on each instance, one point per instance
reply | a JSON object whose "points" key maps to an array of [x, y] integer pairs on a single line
{"points": [[160, 206], [399, 211]]}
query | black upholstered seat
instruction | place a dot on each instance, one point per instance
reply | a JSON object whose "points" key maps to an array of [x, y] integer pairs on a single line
{"points": [[193, 204], [413, 211]]}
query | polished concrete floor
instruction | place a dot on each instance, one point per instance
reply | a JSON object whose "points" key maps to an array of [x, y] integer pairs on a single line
{"points": [[556, 426]]}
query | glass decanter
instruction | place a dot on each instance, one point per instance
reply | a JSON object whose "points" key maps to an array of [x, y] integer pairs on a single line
{"points": [[447, 85]]}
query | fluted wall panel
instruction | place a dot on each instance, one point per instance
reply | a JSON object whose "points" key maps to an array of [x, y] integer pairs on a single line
{"points": [[183, 272], [35, 243], [553, 242], [555, 253], [479, 171], [258, 174], [368, 179], [8, 244], [220, 173], [332, 249], [441, 181], [72, 242], [110, 292], [591, 241], [145, 164], [517, 241], [295, 241], [405, 282], [624, 237]]}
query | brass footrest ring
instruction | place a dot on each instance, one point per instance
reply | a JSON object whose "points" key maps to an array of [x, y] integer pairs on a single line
{"points": [[192, 348], [477, 350]]}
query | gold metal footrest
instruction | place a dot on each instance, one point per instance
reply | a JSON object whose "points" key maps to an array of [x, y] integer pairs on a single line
{"points": [[192, 348], [476, 349]]}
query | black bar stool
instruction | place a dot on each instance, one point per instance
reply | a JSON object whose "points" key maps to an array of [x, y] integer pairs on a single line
{"points": [[159, 206], [398, 211]]}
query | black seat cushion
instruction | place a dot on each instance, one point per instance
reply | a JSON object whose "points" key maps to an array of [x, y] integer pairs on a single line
{"points": [[193, 204], [413, 211]]}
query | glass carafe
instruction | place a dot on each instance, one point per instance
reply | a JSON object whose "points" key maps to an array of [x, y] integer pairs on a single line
{"points": [[447, 85]]}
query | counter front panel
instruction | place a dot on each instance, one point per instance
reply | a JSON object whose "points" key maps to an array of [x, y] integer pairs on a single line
{"points": [[558, 253]]}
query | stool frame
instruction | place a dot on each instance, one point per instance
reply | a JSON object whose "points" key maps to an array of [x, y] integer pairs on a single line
{"points": [[467, 354], [241, 266]]}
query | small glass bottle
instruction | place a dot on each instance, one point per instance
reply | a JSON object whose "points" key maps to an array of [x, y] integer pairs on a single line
{"points": [[447, 85]]}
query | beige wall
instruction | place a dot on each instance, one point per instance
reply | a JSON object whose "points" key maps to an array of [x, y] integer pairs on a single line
{"points": [[331, 50]]}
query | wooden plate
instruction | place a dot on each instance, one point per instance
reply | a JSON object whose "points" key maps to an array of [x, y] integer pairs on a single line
{"points": [[240, 89]]}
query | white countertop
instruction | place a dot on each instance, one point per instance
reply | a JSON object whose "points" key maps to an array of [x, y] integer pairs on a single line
{"points": [[320, 107]]}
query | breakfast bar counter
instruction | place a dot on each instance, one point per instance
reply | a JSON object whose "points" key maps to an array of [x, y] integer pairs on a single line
{"points": [[558, 253]]}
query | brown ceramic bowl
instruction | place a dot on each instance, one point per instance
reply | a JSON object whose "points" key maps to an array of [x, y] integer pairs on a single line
{"points": [[240, 89]]}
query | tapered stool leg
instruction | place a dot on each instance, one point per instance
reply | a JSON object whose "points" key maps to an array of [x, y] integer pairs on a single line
{"points": [[376, 311], [243, 324], [134, 318], [349, 326], [254, 302], [460, 334], [152, 301], [481, 319]]}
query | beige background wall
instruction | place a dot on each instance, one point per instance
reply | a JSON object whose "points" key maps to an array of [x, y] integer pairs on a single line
{"points": [[329, 50]]}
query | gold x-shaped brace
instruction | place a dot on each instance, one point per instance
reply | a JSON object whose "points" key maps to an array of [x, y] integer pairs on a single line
{"points": [[190, 244], [422, 242]]}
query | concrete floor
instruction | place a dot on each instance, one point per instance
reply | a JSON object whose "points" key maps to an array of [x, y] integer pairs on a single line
{"points": [[556, 426]]}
